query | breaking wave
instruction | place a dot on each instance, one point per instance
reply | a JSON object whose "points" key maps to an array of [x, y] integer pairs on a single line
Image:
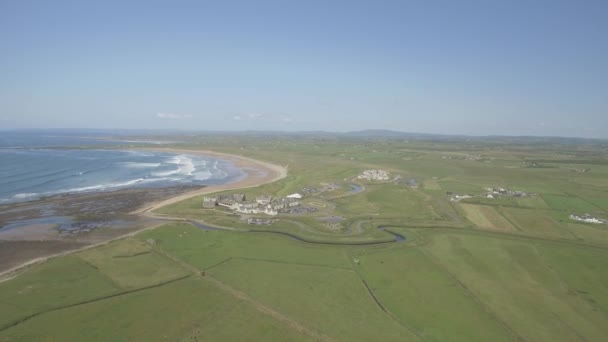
{"points": [[80, 171]]}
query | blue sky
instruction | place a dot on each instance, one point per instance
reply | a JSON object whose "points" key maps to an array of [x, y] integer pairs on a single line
{"points": [[455, 67]]}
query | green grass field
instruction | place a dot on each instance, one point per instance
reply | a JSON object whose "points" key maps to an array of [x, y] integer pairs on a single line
{"points": [[486, 217], [478, 270]]}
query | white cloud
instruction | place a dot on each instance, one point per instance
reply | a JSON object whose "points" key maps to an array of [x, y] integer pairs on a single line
{"points": [[173, 116], [262, 117]]}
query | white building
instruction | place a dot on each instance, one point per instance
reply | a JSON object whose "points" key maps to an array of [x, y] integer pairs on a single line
{"points": [[373, 174], [264, 199], [587, 219]]}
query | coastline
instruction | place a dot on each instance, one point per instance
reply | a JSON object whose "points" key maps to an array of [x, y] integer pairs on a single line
{"points": [[256, 173]]}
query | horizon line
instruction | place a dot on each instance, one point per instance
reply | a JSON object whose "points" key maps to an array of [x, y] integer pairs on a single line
{"points": [[254, 131]]}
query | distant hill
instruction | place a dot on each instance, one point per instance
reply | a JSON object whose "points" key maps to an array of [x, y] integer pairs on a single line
{"points": [[362, 134]]}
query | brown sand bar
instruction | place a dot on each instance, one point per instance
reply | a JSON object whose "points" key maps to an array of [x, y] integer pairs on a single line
{"points": [[258, 173]]}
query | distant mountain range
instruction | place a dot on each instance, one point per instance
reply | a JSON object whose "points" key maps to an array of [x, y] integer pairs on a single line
{"points": [[363, 134]]}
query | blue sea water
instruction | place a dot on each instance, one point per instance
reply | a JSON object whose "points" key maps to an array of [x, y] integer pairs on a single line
{"points": [[28, 173]]}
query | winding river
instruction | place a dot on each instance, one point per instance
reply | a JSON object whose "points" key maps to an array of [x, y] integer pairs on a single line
{"points": [[398, 237]]}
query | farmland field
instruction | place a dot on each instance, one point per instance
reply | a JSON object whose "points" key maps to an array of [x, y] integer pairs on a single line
{"points": [[486, 217], [393, 260]]}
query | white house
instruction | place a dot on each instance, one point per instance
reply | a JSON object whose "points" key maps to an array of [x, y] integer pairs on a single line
{"points": [[264, 199]]}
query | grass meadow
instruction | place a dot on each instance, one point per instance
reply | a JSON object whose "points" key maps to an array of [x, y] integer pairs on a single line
{"points": [[481, 269]]}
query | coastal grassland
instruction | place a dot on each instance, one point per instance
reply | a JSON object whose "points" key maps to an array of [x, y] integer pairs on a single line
{"points": [[306, 226], [570, 204], [533, 202], [440, 167], [204, 249], [590, 233], [499, 281], [536, 222], [529, 202], [188, 310], [517, 282], [582, 272], [431, 184], [56, 283], [132, 264], [450, 185], [420, 293], [543, 279], [486, 217], [442, 283], [387, 200], [332, 299], [106, 271]]}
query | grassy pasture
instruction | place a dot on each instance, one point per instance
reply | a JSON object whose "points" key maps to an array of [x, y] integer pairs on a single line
{"points": [[204, 249], [486, 217], [529, 274], [56, 283], [536, 222], [333, 300], [431, 184], [387, 200], [571, 204], [188, 310], [517, 283], [132, 264], [443, 285], [421, 294], [590, 233]]}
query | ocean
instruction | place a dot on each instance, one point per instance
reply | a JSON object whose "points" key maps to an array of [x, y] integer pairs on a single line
{"points": [[32, 167]]}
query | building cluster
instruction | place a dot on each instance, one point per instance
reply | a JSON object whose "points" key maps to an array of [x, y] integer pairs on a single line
{"points": [[581, 170], [374, 174], [455, 197], [491, 193], [264, 204], [495, 192], [467, 157], [587, 219]]}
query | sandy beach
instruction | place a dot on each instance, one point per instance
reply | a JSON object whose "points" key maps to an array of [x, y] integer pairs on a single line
{"points": [[257, 173], [37, 243]]}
